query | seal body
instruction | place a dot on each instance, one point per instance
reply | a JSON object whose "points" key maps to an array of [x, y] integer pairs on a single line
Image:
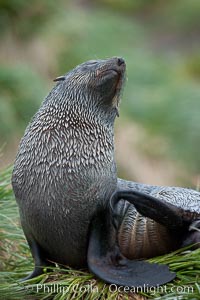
{"points": [[65, 167]]}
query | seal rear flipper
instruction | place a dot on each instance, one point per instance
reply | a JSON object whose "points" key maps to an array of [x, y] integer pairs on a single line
{"points": [[105, 260], [193, 235], [159, 210]]}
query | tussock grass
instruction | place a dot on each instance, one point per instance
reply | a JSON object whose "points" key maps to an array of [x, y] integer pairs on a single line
{"points": [[16, 263]]}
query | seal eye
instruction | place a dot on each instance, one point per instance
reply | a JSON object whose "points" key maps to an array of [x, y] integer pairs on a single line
{"points": [[88, 67]]}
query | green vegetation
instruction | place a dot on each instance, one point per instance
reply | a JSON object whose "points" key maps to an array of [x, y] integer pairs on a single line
{"points": [[160, 43], [24, 19], [18, 103], [16, 263]]}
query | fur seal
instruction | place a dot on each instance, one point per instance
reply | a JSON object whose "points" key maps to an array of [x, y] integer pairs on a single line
{"points": [[65, 175]]}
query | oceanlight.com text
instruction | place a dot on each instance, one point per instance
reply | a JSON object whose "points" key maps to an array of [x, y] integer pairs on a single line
{"points": [[92, 288]]}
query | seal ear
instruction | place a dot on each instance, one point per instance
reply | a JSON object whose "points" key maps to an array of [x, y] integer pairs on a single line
{"points": [[159, 210], [59, 78], [105, 260]]}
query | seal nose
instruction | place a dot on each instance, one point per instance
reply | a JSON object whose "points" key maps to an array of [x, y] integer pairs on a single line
{"points": [[120, 61]]}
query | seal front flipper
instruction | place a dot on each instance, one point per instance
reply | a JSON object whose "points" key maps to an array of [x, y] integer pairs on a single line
{"points": [[105, 260], [40, 260]]}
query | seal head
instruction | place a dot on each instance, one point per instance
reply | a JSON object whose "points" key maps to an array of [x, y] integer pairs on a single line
{"points": [[101, 80]]}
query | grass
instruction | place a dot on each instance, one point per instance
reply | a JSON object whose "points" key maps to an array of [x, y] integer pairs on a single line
{"points": [[16, 262]]}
